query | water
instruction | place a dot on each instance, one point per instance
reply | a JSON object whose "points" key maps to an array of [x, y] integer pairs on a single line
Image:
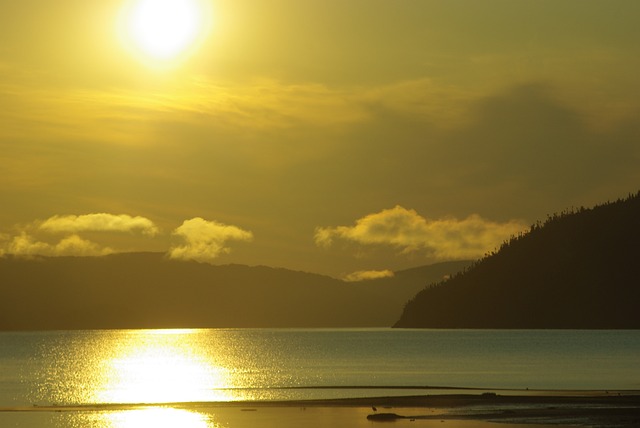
{"points": [[68, 368]]}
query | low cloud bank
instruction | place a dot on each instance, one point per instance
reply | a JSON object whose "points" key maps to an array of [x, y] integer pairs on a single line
{"points": [[447, 238], [205, 240], [73, 245], [34, 239], [364, 275], [100, 222], [202, 240]]}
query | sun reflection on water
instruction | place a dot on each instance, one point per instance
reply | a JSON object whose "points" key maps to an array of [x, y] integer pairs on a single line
{"points": [[159, 417], [163, 367]]}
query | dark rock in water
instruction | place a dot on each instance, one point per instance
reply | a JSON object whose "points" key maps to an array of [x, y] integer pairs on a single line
{"points": [[384, 417]]}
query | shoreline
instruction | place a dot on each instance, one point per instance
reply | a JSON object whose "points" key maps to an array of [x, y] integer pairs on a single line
{"points": [[616, 408]]}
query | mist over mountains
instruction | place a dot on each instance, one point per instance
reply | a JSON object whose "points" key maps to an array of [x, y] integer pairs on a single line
{"points": [[578, 269], [148, 290]]}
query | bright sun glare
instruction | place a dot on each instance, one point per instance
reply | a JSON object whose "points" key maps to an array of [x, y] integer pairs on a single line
{"points": [[156, 418], [164, 30], [163, 368]]}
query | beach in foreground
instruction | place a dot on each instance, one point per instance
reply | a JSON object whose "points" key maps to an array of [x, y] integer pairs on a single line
{"points": [[482, 410]]}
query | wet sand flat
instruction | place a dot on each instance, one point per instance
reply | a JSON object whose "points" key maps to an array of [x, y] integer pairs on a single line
{"points": [[485, 410]]}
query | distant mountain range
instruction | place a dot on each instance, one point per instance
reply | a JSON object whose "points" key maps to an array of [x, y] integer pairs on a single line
{"points": [[579, 269], [147, 290]]}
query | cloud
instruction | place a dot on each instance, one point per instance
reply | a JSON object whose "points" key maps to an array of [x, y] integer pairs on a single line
{"points": [[447, 238], [364, 275], [31, 239], [123, 115], [73, 245], [205, 240], [101, 222]]}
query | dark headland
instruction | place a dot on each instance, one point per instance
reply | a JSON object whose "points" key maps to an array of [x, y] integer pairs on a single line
{"points": [[579, 269]]}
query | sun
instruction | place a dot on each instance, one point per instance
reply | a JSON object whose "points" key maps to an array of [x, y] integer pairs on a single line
{"points": [[163, 30]]}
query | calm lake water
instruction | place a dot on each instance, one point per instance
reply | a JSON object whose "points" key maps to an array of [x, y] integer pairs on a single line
{"points": [[65, 368]]}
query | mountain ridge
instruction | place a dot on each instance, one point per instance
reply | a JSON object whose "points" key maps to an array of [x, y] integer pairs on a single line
{"points": [[148, 290]]}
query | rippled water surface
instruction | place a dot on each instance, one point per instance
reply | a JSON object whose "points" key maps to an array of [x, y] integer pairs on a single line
{"points": [[166, 366]]}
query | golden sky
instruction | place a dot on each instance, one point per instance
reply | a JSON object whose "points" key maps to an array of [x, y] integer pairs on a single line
{"points": [[327, 136]]}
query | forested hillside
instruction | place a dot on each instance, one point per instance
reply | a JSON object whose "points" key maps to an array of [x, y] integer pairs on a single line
{"points": [[578, 269]]}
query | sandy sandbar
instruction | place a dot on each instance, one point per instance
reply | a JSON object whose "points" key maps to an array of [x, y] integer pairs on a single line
{"points": [[483, 410]]}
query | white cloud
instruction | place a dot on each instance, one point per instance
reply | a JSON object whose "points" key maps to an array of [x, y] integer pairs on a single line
{"points": [[73, 245], [101, 222], [206, 240], [447, 238], [29, 240], [25, 245], [364, 275]]}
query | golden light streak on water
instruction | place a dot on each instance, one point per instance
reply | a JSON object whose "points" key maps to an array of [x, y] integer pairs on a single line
{"points": [[160, 417], [165, 367]]}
